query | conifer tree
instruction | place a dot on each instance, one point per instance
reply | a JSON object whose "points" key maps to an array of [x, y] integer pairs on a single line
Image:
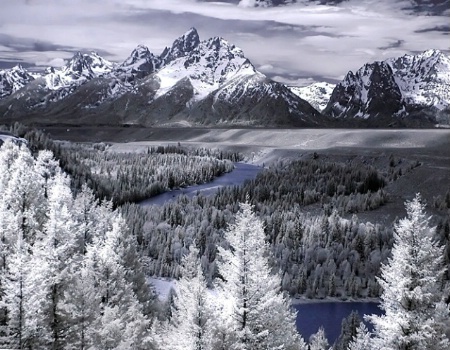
{"points": [[319, 341], [122, 323], [16, 293], [412, 297], [190, 325], [257, 312], [52, 259], [362, 339]]}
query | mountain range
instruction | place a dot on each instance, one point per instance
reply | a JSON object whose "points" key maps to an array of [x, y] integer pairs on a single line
{"points": [[212, 83]]}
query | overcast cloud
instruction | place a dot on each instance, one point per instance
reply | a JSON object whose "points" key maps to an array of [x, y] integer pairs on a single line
{"points": [[298, 44]]}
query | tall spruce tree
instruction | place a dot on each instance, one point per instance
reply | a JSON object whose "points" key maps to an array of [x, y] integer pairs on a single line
{"points": [[362, 339], [412, 297], [255, 311], [190, 325]]}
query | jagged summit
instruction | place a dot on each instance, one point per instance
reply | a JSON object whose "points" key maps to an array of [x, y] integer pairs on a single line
{"points": [[181, 46], [413, 88], [12, 80], [208, 65], [141, 62], [79, 69], [424, 79], [87, 65], [212, 82]]}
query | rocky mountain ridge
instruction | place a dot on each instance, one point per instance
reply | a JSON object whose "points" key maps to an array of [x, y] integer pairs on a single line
{"points": [[412, 90], [211, 82], [193, 82]]}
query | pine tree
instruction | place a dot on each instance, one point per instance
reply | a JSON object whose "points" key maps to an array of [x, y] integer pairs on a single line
{"points": [[16, 293], [20, 224], [81, 303], [190, 325], [319, 341], [122, 323], [362, 339], [349, 327], [412, 288], [257, 312], [52, 259]]}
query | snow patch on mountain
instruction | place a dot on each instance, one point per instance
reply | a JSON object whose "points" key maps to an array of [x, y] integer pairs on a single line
{"points": [[317, 94], [78, 70], [396, 87], [141, 62], [208, 66], [12, 80], [423, 79]]}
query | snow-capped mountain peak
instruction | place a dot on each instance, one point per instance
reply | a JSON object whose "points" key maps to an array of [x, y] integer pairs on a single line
{"points": [[424, 79], [141, 62], [13, 79], [415, 86], [87, 65], [372, 90], [317, 94], [181, 46], [208, 65], [79, 69]]}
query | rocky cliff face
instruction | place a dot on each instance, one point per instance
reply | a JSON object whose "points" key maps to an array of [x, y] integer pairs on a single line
{"points": [[413, 90]]}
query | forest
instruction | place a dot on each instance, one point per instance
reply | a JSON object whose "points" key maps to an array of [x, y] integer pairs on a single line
{"points": [[74, 263]]}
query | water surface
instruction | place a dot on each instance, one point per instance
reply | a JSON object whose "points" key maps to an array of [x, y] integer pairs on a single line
{"points": [[238, 176], [330, 315]]}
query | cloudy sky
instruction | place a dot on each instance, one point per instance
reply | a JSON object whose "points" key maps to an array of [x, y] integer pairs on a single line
{"points": [[297, 44]]}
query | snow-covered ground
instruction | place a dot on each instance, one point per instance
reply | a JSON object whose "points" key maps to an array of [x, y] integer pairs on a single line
{"points": [[162, 286]]}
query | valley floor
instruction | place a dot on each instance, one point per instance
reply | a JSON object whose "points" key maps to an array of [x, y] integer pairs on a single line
{"points": [[430, 147]]}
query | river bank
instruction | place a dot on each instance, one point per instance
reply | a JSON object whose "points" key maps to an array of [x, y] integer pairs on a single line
{"points": [[241, 173]]}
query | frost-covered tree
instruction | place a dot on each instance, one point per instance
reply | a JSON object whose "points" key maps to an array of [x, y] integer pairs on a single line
{"points": [[362, 339], [190, 325], [318, 341], [349, 327], [122, 323], [53, 256], [82, 303], [70, 272], [256, 313], [16, 293], [412, 297]]}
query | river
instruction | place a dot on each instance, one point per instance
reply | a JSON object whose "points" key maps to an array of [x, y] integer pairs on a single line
{"points": [[310, 315], [238, 176]]}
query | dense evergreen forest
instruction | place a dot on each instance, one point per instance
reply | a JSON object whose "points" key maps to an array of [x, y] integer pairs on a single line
{"points": [[74, 270]]}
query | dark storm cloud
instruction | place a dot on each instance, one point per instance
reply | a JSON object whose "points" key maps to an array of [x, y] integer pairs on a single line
{"points": [[5, 63], [444, 29], [29, 44], [395, 44]]}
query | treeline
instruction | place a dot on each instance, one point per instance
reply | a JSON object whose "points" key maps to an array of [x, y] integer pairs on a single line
{"points": [[348, 188], [130, 177]]}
